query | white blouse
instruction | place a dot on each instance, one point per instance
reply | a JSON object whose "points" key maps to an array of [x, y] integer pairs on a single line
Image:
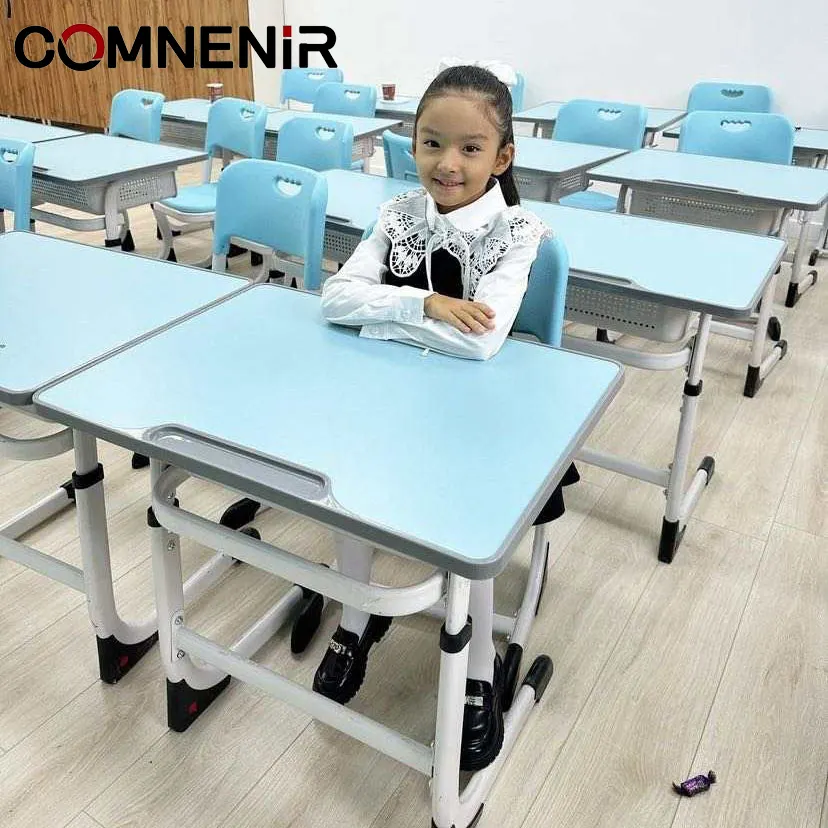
{"points": [[494, 244]]}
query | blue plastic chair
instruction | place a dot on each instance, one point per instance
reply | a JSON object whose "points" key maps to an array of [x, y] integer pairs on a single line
{"points": [[276, 206], [303, 84], [16, 159], [136, 114], [316, 143], [750, 136], [399, 159], [541, 313], [234, 127], [730, 97], [604, 123], [518, 93], [346, 99]]}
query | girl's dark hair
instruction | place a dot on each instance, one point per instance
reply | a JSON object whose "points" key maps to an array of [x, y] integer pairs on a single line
{"points": [[474, 80]]}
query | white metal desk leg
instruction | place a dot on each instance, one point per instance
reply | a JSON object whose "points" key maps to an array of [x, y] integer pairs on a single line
{"points": [[759, 367], [680, 503], [451, 697], [120, 645], [449, 808], [797, 285], [190, 688], [112, 220]]}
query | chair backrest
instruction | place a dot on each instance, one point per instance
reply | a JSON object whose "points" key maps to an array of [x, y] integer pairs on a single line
{"points": [[399, 159], [730, 97], [303, 84], [518, 92], [316, 143], [346, 99], [16, 159], [136, 114], [275, 204], [605, 123], [237, 126], [751, 136], [541, 313]]}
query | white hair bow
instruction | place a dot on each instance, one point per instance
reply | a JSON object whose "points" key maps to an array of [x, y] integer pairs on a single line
{"points": [[502, 71]]}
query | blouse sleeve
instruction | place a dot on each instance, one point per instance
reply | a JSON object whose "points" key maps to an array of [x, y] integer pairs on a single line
{"points": [[356, 295]]}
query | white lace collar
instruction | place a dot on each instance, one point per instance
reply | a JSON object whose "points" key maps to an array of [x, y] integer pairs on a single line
{"points": [[477, 235], [471, 217]]}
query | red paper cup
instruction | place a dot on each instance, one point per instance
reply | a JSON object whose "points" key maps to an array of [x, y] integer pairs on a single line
{"points": [[388, 91]]}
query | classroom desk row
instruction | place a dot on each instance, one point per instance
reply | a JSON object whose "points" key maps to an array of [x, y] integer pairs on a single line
{"points": [[105, 176]]}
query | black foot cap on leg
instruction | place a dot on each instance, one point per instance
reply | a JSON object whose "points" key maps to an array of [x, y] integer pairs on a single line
{"points": [[185, 704], [240, 513], [472, 824], [670, 540], [307, 621], [116, 659], [256, 258], [793, 295], [783, 346], [708, 466], [813, 258], [774, 329], [511, 670], [602, 335], [128, 244], [139, 461], [753, 382], [539, 675]]}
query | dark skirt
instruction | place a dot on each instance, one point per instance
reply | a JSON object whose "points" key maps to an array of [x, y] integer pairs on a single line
{"points": [[554, 507]]}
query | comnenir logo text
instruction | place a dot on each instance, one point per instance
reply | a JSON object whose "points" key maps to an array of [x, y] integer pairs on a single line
{"points": [[210, 52]]}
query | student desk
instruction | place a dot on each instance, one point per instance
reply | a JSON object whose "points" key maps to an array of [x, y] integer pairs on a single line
{"points": [[544, 116], [721, 192], [402, 109], [64, 305], [105, 176], [33, 133], [549, 170], [184, 122], [350, 400]]}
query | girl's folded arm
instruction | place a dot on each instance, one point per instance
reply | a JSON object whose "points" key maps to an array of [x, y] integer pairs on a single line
{"points": [[502, 289], [356, 295]]}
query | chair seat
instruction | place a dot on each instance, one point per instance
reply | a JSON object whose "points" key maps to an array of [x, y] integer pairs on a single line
{"points": [[198, 199], [591, 200]]}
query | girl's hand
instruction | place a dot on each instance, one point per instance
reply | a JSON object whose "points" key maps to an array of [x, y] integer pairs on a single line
{"points": [[467, 317]]}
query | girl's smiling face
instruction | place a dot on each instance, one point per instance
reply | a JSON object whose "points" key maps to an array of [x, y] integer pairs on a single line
{"points": [[457, 150]]}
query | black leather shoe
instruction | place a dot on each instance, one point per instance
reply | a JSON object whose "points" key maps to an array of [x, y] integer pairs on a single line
{"points": [[482, 722], [342, 670]]}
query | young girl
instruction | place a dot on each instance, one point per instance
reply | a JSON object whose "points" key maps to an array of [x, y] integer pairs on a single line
{"points": [[445, 268]]}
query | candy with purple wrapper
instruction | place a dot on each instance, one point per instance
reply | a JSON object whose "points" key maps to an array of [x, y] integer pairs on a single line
{"points": [[697, 784]]}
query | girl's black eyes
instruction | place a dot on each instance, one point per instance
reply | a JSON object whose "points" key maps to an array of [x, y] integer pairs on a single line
{"points": [[470, 148]]}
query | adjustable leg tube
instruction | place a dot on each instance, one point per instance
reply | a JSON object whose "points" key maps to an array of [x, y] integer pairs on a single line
{"points": [[675, 515]]}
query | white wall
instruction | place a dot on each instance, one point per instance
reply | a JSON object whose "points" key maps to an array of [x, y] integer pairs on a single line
{"points": [[635, 50]]}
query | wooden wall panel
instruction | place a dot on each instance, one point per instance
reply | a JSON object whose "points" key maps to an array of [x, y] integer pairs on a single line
{"points": [[59, 93]]}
